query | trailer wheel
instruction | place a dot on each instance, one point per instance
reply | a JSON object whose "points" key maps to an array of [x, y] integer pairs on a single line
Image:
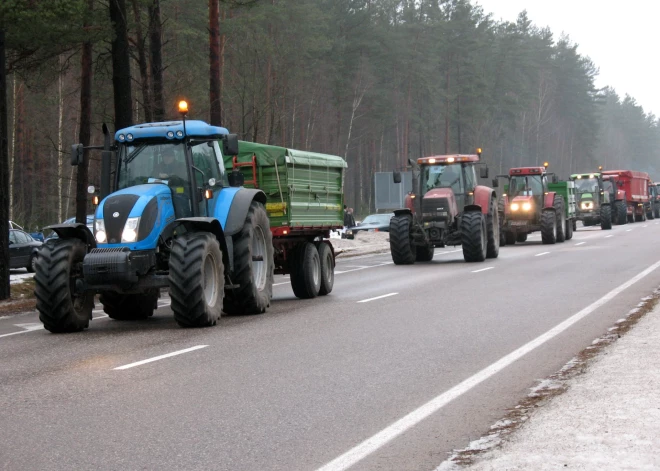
{"points": [[129, 307], [196, 279], [253, 265], [474, 237], [493, 230], [621, 212], [327, 268], [401, 245], [561, 218], [61, 308], [605, 217], [548, 226], [306, 271], [424, 253], [510, 237], [522, 237]]}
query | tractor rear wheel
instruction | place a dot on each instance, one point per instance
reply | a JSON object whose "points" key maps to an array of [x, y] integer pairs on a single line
{"points": [[253, 265], [493, 230], [548, 226], [474, 236], [61, 308], [129, 307], [522, 237], [560, 212], [510, 237], [606, 217], [306, 271], [424, 253], [327, 268], [621, 212], [401, 245], [569, 229], [197, 282]]}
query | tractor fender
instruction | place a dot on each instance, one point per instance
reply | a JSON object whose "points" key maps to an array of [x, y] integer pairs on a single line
{"points": [[504, 203], [75, 231], [200, 224], [240, 206], [620, 195], [482, 197], [403, 212], [549, 200]]}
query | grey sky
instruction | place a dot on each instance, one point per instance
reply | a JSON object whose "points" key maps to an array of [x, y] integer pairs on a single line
{"points": [[620, 38]]}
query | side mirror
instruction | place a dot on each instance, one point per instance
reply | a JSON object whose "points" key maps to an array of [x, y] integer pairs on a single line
{"points": [[230, 144], [396, 177], [555, 179], [483, 172], [496, 183], [236, 178], [76, 154]]}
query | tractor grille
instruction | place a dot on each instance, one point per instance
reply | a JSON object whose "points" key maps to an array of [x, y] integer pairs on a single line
{"points": [[435, 209], [115, 212]]}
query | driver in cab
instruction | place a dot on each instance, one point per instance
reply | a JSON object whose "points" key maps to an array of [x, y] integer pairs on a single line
{"points": [[170, 166]]}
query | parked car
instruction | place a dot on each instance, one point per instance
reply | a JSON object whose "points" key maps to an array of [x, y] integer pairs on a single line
{"points": [[13, 225], [372, 223], [23, 250], [89, 222]]}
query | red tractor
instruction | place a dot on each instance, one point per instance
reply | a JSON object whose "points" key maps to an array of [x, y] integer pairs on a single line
{"points": [[529, 205], [446, 207]]}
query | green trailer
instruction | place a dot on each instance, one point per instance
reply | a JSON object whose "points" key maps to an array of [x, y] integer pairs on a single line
{"points": [[567, 190], [304, 201]]}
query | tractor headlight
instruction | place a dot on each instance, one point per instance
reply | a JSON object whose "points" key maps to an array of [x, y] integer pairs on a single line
{"points": [[99, 231], [587, 205], [130, 230], [515, 206], [526, 206]]}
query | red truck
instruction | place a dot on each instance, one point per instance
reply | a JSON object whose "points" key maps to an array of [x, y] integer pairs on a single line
{"points": [[635, 186]]}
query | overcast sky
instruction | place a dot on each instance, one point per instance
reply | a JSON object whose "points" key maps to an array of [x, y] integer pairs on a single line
{"points": [[621, 38]]}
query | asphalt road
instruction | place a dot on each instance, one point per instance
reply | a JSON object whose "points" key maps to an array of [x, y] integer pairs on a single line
{"points": [[303, 385]]}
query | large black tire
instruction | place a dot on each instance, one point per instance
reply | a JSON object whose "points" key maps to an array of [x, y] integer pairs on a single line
{"points": [[569, 229], [605, 217], [493, 231], [327, 268], [574, 225], [522, 237], [501, 215], [61, 308], [197, 281], [424, 254], [560, 212], [656, 212], [401, 244], [253, 265], [649, 213], [548, 226], [474, 236], [510, 237], [305, 271], [129, 307]]}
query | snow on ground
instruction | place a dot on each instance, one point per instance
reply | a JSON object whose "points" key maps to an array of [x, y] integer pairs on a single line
{"points": [[364, 242], [17, 276]]}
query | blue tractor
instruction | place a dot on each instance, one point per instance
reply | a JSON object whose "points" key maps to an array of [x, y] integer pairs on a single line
{"points": [[169, 217]]}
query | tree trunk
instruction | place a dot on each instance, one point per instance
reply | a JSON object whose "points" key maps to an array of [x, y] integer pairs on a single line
{"points": [[156, 51], [85, 123], [121, 66], [4, 176], [142, 64], [60, 150], [214, 62], [13, 147]]}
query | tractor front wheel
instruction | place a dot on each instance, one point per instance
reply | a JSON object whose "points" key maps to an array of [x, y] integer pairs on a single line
{"points": [[522, 237], [548, 226], [474, 236], [61, 307], [605, 217], [404, 252], [425, 253], [197, 282], [493, 230]]}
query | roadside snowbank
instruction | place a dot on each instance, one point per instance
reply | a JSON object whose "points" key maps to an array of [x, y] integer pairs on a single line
{"points": [[364, 243]]}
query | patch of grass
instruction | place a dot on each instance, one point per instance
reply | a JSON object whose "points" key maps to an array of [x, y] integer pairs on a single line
{"points": [[21, 298]]}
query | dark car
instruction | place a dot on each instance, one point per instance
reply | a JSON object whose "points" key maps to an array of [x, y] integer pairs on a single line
{"points": [[23, 250], [89, 222], [372, 223]]}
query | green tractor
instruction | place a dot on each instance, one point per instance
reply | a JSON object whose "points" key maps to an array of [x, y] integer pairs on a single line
{"points": [[598, 201]]}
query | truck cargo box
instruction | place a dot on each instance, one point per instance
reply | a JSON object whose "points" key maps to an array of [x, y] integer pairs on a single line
{"points": [[305, 190], [567, 190], [635, 184]]}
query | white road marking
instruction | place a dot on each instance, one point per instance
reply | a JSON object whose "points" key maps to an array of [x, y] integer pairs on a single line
{"points": [[628, 230], [378, 297], [395, 429], [580, 243], [482, 269], [645, 225], [160, 357], [608, 236], [542, 253], [32, 327]]}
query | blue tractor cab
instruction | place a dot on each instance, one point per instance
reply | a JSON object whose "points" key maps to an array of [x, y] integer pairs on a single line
{"points": [[169, 217]]}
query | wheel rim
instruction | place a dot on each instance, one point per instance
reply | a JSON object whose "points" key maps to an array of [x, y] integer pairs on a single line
{"points": [[210, 280], [77, 299], [316, 275], [259, 266]]}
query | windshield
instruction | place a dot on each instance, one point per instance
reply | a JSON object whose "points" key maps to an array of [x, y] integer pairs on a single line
{"points": [[586, 185], [442, 176], [528, 185], [608, 186]]}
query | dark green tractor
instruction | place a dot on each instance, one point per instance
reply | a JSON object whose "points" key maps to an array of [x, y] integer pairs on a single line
{"points": [[597, 203]]}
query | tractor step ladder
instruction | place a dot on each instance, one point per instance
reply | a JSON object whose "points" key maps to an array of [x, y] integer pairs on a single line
{"points": [[253, 164]]}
